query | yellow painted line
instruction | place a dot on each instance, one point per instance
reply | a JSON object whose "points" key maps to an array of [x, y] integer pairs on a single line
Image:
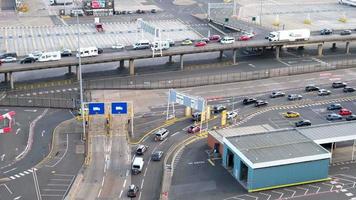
{"points": [[211, 162], [288, 185]]}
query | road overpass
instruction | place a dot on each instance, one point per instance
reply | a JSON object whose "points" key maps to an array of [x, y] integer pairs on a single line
{"points": [[132, 55]]}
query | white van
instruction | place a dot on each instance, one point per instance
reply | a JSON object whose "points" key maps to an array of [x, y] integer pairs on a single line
{"points": [[87, 52], [161, 134], [50, 56], [158, 45], [142, 44], [227, 40], [137, 165]]}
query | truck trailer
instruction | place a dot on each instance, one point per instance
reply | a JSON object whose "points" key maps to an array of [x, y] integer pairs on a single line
{"points": [[289, 35]]}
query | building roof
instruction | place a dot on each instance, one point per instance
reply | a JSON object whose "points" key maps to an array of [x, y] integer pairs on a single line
{"points": [[230, 132], [327, 133], [275, 148]]}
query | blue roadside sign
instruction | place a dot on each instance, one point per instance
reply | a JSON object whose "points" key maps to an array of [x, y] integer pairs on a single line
{"points": [[96, 108], [119, 108]]}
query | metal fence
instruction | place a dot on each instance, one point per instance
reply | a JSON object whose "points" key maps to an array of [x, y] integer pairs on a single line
{"points": [[39, 102], [145, 82]]}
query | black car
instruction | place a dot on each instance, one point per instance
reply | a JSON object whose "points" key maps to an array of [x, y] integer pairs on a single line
{"points": [[351, 117], [261, 103], [345, 32], [349, 89], [219, 109], [310, 88], [326, 31], [133, 190], [248, 101], [157, 155], [153, 11], [141, 149], [4, 55], [27, 60], [196, 117], [334, 106], [303, 123], [100, 50], [66, 53], [339, 84]]}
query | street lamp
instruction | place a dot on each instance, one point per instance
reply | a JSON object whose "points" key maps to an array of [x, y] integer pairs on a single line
{"points": [[80, 77]]}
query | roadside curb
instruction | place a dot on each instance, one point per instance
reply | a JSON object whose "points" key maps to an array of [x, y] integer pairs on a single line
{"points": [[168, 169], [166, 123], [53, 146]]}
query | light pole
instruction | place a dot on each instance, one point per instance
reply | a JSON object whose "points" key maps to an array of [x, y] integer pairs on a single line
{"points": [[80, 78], [261, 13]]}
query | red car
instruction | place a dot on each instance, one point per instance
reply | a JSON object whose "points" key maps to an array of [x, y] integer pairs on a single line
{"points": [[193, 129], [344, 112], [216, 38], [244, 38], [200, 44]]}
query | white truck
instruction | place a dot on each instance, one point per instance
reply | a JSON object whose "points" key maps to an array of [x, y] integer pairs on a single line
{"points": [[158, 45], [289, 35], [137, 165]]}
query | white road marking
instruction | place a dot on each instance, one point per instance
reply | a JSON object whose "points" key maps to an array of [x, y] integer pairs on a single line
{"points": [[30, 110], [291, 191], [124, 184], [22, 174], [127, 172], [18, 197], [2, 157], [120, 194], [10, 170], [269, 196], [26, 172], [43, 133], [284, 62], [99, 193], [139, 197], [175, 134], [11, 177], [102, 182], [318, 188], [143, 180], [7, 188], [145, 172], [17, 131]]}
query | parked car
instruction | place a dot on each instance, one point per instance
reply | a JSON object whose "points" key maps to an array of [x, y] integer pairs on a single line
{"points": [[200, 44], [310, 88], [293, 97], [215, 38], [231, 115], [338, 84], [346, 32], [66, 53], [27, 60], [291, 114], [326, 31], [36, 54], [344, 112], [333, 116], [334, 106], [157, 155], [193, 129], [324, 92], [248, 101], [244, 38], [219, 108], [8, 59], [4, 55], [205, 39], [117, 46], [141, 149], [351, 117], [133, 190], [349, 89], [259, 103], [277, 94], [303, 122], [187, 42], [171, 42]]}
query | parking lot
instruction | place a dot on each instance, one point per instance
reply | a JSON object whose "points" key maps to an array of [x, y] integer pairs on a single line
{"points": [[24, 40], [291, 15]]}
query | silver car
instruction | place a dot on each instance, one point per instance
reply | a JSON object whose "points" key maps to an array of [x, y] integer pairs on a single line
{"points": [[293, 97]]}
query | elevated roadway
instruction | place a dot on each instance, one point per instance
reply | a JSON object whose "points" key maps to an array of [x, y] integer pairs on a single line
{"points": [[69, 62]]}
